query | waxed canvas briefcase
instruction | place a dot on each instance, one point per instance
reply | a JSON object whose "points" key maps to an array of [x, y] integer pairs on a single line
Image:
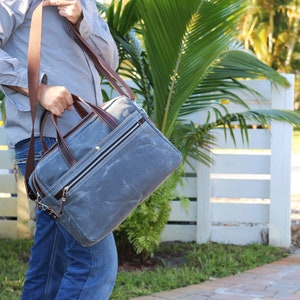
{"points": [[114, 171]]}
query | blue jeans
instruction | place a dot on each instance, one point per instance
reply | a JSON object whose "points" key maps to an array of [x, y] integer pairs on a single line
{"points": [[59, 267]]}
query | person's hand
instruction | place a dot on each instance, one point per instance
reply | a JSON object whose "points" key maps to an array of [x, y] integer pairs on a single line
{"points": [[70, 9], [56, 99]]}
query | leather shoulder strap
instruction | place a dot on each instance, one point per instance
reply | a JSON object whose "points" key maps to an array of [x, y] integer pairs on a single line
{"points": [[113, 78], [34, 54]]}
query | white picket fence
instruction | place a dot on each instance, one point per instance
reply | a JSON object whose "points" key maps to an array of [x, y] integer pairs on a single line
{"points": [[245, 196]]}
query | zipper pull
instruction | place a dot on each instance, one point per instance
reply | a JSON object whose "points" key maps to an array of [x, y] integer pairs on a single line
{"points": [[64, 194], [63, 199]]}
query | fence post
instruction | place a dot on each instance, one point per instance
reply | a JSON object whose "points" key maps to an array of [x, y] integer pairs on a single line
{"points": [[203, 203], [280, 187]]}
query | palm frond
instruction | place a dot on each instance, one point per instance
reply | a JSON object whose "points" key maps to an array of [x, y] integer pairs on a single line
{"points": [[196, 141], [185, 39], [220, 83], [213, 92], [242, 64], [264, 117], [193, 141]]}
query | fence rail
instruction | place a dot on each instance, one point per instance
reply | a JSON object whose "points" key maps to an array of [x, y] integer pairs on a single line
{"points": [[14, 205], [244, 197]]}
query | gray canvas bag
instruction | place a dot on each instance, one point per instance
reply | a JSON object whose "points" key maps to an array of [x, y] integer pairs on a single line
{"points": [[95, 175]]}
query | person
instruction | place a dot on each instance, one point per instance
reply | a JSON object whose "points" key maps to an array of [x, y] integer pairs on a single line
{"points": [[59, 267]]}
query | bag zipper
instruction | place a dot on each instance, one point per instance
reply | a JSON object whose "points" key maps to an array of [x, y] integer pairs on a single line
{"points": [[101, 157]]}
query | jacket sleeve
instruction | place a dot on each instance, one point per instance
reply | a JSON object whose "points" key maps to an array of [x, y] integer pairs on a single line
{"points": [[96, 32]]}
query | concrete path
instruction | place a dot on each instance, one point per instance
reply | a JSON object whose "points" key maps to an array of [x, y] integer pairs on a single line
{"points": [[278, 280]]}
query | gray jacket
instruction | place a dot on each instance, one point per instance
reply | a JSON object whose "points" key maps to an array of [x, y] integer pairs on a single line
{"points": [[62, 60]]}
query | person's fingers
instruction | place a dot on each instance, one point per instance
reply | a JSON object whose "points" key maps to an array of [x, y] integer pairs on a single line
{"points": [[58, 2], [70, 9], [51, 2], [64, 101], [69, 100], [56, 111], [56, 99]]}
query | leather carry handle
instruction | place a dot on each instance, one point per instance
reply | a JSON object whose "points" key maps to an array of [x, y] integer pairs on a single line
{"points": [[102, 114], [34, 53]]}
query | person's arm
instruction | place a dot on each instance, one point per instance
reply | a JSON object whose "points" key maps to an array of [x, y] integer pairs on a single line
{"points": [[56, 99], [13, 73], [14, 76], [97, 34], [91, 26]]}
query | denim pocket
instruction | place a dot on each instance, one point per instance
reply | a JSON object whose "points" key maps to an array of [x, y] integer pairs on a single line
{"points": [[21, 151]]}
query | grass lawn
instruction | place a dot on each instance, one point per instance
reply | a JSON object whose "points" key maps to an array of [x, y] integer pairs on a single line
{"points": [[174, 265]]}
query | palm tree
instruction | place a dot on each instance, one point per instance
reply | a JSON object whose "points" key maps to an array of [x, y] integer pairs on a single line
{"points": [[271, 29], [182, 57]]}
